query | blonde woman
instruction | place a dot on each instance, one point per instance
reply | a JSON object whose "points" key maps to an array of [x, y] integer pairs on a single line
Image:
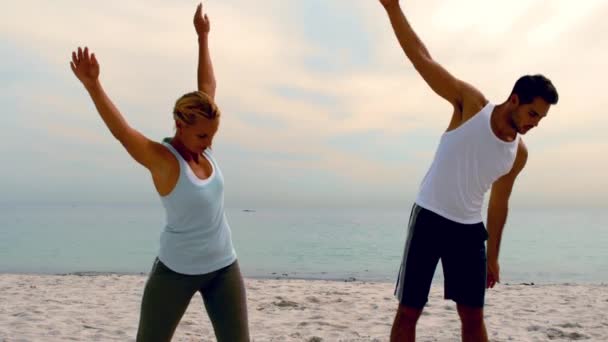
{"points": [[196, 252]]}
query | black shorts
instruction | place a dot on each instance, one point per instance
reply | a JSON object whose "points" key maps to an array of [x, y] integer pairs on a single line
{"points": [[462, 250]]}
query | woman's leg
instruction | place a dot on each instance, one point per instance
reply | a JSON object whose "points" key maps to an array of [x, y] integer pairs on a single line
{"points": [[166, 298], [226, 304]]}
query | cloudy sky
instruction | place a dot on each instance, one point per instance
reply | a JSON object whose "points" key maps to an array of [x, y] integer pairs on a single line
{"points": [[320, 106]]}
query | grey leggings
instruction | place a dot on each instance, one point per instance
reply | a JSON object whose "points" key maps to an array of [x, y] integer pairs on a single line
{"points": [[168, 293]]}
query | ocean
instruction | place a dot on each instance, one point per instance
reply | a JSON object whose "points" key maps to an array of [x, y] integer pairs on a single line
{"points": [[538, 246]]}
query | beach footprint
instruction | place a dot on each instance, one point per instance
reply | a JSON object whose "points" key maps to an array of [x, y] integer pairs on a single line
{"points": [[553, 333]]}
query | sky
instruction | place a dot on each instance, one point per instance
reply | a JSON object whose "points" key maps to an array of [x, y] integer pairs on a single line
{"points": [[320, 107]]}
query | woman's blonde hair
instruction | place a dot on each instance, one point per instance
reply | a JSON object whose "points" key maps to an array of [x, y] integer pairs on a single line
{"points": [[194, 104]]}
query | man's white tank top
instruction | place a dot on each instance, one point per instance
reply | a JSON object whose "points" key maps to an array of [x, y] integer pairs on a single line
{"points": [[468, 160]]}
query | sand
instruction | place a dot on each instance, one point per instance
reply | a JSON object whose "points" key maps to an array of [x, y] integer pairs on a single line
{"points": [[106, 308]]}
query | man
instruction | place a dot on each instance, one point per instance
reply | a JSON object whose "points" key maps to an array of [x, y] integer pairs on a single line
{"points": [[481, 149]]}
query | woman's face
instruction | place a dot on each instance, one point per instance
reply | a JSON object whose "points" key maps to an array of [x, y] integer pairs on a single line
{"points": [[199, 136]]}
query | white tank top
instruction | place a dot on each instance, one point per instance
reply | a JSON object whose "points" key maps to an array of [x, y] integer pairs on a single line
{"points": [[468, 160], [197, 237]]}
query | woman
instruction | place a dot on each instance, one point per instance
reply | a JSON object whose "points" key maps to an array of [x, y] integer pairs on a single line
{"points": [[196, 253]]}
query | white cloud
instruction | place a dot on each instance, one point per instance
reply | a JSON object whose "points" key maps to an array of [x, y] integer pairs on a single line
{"points": [[148, 53]]}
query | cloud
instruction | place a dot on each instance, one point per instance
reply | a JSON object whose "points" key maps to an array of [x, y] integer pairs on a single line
{"points": [[318, 93]]}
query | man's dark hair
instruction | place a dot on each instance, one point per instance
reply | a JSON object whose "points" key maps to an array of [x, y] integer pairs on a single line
{"points": [[530, 87]]}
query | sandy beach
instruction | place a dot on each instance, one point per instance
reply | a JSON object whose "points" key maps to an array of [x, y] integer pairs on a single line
{"points": [[106, 308]]}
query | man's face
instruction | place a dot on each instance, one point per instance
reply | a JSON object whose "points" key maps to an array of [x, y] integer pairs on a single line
{"points": [[527, 116]]}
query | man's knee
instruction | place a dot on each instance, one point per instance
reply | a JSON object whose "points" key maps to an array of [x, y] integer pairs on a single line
{"points": [[471, 317], [407, 316]]}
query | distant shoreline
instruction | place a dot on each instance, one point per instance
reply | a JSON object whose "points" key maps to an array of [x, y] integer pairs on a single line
{"points": [[284, 276]]}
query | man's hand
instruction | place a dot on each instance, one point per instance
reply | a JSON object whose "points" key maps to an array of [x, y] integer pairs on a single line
{"points": [[493, 273], [201, 23], [85, 67], [389, 3]]}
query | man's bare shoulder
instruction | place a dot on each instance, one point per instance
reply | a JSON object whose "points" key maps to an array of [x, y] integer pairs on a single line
{"points": [[470, 103], [473, 100]]}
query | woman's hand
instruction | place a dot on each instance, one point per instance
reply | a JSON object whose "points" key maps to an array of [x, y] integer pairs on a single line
{"points": [[201, 22]]}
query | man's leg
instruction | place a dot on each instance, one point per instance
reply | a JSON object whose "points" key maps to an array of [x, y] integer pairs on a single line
{"points": [[473, 327], [404, 326], [420, 258], [464, 269]]}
